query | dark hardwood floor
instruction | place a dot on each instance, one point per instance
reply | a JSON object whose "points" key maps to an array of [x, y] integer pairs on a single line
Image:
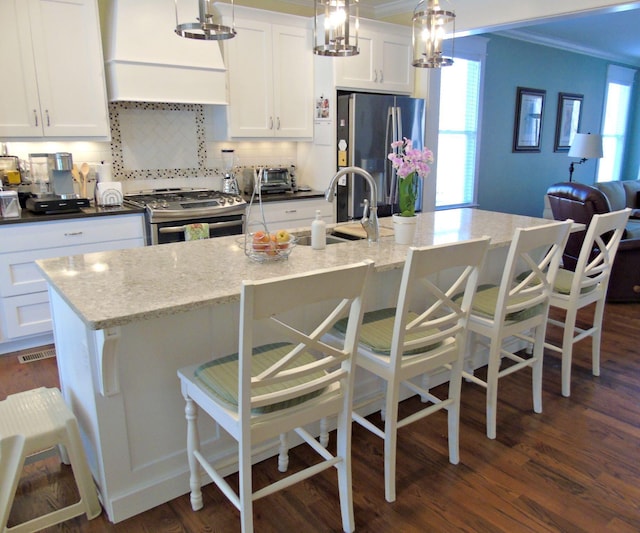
{"points": [[575, 467]]}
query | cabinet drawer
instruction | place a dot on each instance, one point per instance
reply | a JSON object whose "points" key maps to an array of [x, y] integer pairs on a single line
{"points": [[20, 275], [293, 213], [26, 315], [63, 233]]}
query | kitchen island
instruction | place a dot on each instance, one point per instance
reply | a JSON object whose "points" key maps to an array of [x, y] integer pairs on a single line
{"points": [[125, 321]]}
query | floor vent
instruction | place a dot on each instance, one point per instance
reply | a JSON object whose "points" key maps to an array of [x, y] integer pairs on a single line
{"points": [[37, 356]]}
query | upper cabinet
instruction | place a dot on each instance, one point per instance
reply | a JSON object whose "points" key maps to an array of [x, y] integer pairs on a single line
{"points": [[146, 61], [53, 78], [270, 74], [384, 61]]}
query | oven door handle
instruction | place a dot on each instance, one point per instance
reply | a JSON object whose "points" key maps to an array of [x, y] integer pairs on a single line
{"points": [[212, 225]]}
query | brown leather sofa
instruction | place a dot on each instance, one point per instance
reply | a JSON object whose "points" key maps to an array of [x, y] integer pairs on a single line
{"points": [[580, 202]]}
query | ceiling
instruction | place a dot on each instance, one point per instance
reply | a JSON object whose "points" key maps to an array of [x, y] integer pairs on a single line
{"points": [[611, 36], [610, 33]]}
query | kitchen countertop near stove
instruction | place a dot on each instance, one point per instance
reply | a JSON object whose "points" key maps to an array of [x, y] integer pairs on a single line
{"points": [[209, 272], [279, 197], [86, 212]]}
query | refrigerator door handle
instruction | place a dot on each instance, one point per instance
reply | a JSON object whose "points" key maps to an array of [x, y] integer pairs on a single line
{"points": [[389, 171], [397, 136]]}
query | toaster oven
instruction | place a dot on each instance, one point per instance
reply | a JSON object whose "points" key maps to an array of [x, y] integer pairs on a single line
{"points": [[274, 180]]}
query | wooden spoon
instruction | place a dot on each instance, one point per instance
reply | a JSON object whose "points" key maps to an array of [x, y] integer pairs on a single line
{"points": [[84, 170]]}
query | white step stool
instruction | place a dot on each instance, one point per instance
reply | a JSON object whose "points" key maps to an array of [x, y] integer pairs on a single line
{"points": [[31, 422]]}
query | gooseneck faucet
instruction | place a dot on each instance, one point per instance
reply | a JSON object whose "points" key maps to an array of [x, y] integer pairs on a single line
{"points": [[370, 213]]}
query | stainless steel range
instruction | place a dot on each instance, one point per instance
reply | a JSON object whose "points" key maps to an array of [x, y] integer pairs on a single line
{"points": [[169, 211]]}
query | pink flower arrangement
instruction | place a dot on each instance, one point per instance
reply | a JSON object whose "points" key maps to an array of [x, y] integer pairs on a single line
{"points": [[409, 161], [406, 159]]}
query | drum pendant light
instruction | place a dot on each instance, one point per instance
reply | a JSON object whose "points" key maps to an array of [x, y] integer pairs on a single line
{"points": [[205, 29], [430, 26], [335, 28]]}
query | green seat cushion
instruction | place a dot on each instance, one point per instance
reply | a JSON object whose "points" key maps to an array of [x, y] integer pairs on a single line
{"points": [[564, 279], [377, 330], [221, 376], [485, 299]]}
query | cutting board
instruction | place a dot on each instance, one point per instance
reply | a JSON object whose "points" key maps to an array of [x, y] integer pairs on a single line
{"points": [[356, 230]]}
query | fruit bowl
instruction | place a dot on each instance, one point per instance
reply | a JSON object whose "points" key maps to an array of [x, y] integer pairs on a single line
{"points": [[262, 246]]}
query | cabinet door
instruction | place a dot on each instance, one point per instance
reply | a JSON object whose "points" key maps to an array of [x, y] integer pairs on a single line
{"points": [[249, 56], [293, 82], [69, 67], [57, 84], [383, 64], [19, 105], [358, 72], [395, 71]]}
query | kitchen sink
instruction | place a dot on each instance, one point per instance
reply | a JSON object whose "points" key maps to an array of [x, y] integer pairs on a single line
{"points": [[305, 240]]}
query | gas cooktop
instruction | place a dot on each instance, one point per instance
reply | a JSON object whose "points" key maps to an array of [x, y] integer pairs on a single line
{"points": [[180, 203]]}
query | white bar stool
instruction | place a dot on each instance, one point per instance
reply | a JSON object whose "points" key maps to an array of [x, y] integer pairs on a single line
{"points": [[32, 422]]}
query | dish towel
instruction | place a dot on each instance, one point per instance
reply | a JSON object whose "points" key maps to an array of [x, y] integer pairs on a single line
{"points": [[194, 232]]}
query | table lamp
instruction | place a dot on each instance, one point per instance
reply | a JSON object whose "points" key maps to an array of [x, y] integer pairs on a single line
{"points": [[585, 146]]}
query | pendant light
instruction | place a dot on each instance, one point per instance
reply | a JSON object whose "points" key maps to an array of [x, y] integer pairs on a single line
{"points": [[430, 25], [205, 29], [338, 22]]}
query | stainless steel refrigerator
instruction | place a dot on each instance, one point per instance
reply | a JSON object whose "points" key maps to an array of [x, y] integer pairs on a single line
{"points": [[367, 125]]}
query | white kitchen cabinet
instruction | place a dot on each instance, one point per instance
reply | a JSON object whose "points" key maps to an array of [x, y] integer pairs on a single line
{"points": [[270, 73], [53, 80], [291, 214], [24, 302], [384, 61]]}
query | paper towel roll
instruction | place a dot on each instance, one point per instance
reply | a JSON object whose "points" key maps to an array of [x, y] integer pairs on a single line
{"points": [[104, 172]]}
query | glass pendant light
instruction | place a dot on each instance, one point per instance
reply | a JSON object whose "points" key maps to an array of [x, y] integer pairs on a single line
{"points": [[205, 29], [431, 24], [335, 28]]}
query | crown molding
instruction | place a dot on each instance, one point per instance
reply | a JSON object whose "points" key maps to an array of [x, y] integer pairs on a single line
{"points": [[534, 38]]}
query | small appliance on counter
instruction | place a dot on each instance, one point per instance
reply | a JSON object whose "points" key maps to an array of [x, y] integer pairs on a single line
{"points": [[229, 183], [52, 185], [10, 174], [274, 180]]}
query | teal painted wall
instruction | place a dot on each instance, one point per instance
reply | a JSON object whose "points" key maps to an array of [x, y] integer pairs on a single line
{"points": [[631, 165], [516, 182]]}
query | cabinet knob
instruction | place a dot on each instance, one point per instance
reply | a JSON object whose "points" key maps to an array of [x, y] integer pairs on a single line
{"points": [[46, 112], [381, 77], [270, 123], [35, 116], [73, 233], [375, 75], [278, 123]]}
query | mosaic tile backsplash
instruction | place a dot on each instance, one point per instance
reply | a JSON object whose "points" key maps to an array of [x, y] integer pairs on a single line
{"points": [[161, 145]]}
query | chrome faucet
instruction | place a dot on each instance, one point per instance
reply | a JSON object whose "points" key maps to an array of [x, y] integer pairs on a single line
{"points": [[369, 220]]}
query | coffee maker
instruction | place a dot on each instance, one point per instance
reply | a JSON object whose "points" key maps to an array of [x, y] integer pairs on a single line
{"points": [[52, 185]]}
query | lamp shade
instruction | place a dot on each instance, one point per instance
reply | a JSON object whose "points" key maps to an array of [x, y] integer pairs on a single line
{"points": [[205, 29], [586, 146], [335, 28], [431, 24]]}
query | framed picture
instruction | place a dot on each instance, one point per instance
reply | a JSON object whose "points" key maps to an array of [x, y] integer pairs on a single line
{"points": [[568, 120], [528, 120]]}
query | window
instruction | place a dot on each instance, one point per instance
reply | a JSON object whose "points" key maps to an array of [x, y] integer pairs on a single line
{"points": [[460, 93], [616, 114]]}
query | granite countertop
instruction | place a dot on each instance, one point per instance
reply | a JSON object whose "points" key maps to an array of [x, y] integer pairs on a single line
{"points": [[115, 288], [28, 216], [279, 197]]}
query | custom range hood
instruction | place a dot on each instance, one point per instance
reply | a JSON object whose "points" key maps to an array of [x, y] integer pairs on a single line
{"points": [[145, 61]]}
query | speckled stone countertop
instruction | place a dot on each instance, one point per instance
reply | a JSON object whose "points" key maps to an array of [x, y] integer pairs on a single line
{"points": [[86, 212], [114, 288]]}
